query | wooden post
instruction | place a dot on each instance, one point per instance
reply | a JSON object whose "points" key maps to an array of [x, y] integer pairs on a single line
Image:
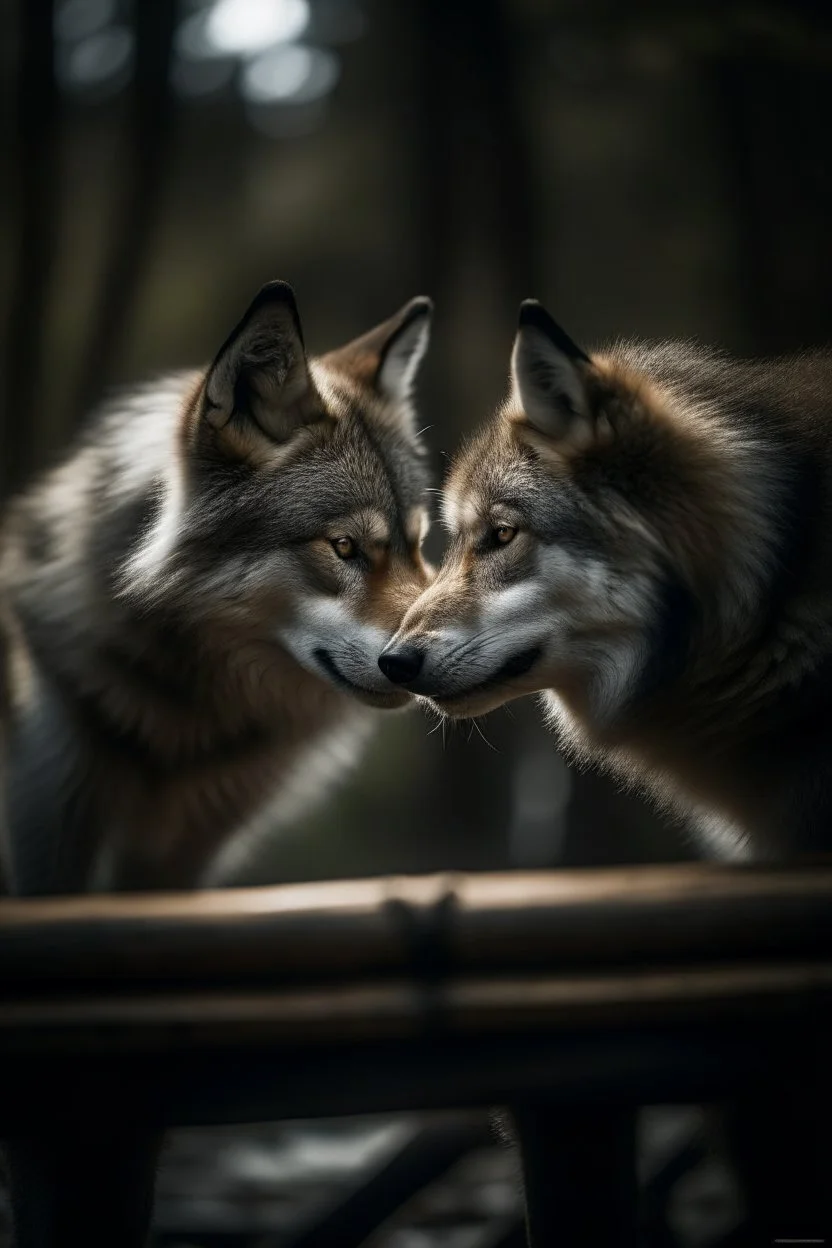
{"points": [[579, 1174], [89, 1182]]}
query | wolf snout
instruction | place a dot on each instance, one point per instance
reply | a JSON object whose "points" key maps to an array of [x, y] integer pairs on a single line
{"points": [[401, 664]]}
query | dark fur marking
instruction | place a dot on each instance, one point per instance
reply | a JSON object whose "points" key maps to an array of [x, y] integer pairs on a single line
{"points": [[799, 530], [670, 639], [328, 664], [397, 517], [126, 525]]}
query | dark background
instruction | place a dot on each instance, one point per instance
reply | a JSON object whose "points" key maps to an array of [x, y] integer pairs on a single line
{"points": [[656, 169]]}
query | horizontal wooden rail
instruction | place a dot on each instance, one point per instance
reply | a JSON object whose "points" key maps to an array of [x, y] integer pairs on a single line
{"points": [[358, 1012], [417, 925], [397, 993]]}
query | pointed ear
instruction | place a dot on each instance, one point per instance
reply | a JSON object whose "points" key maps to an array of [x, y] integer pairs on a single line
{"points": [[549, 373], [260, 371], [387, 358]]}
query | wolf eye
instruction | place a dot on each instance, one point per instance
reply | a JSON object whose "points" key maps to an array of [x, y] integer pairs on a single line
{"points": [[503, 534], [344, 547]]}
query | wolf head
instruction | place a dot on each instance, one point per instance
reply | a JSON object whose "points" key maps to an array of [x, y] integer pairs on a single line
{"points": [[590, 525], [294, 510]]}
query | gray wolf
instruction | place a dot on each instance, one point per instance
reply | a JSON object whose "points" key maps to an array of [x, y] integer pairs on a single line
{"points": [[194, 601], [642, 535]]}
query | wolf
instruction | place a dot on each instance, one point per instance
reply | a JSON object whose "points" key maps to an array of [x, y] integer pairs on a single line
{"points": [[193, 604], [642, 535]]}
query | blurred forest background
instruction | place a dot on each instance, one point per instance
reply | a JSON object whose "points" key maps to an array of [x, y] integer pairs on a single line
{"points": [[644, 168]]}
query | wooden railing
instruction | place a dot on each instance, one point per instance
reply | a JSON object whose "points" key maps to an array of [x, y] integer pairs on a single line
{"points": [[584, 991]]}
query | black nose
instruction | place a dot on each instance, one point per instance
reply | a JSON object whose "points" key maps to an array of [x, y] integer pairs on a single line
{"points": [[402, 665]]}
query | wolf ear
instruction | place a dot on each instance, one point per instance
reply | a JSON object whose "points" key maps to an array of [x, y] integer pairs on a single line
{"points": [[387, 358], [549, 374], [260, 371]]}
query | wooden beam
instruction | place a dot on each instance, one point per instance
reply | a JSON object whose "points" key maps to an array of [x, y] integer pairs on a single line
{"points": [[420, 927]]}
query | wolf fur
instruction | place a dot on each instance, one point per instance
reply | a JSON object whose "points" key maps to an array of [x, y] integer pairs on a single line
{"points": [[194, 600], [643, 536]]}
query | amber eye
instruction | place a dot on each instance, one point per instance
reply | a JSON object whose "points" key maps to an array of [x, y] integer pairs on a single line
{"points": [[503, 534], [344, 547]]}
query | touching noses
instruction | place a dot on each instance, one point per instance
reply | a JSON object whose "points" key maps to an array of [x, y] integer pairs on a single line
{"points": [[401, 664]]}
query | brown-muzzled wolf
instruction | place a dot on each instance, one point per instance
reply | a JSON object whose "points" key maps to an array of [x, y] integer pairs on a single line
{"points": [[643, 535]]}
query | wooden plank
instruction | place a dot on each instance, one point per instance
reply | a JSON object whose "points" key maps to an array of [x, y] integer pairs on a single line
{"points": [[421, 926], [338, 1014], [579, 1173]]}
